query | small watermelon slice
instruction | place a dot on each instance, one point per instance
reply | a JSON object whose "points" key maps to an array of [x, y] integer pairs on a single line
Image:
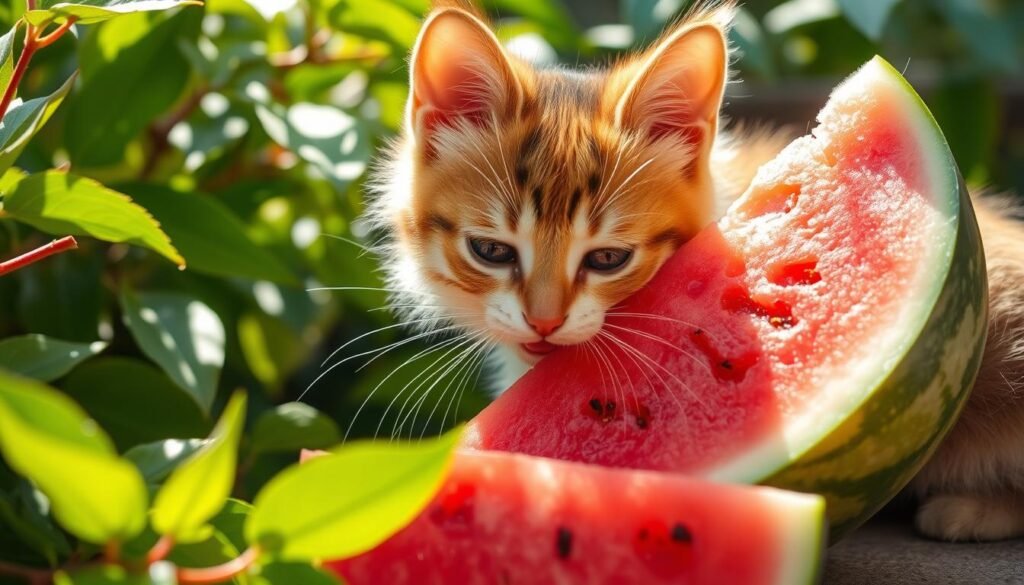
{"points": [[821, 337], [507, 518]]}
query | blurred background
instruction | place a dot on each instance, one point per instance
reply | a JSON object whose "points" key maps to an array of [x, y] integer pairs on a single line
{"points": [[264, 115]]}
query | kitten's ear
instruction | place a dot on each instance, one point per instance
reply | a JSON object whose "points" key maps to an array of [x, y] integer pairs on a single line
{"points": [[459, 71], [677, 86]]}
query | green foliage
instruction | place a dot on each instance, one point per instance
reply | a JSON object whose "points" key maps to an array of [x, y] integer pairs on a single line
{"points": [[46, 437], [40, 357], [233, 140], [316, 511], [197, 489], [59, 203]]}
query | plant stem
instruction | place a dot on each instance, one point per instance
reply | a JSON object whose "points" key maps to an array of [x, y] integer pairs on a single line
{"points": [[31, 575], [55, 247], [33, 42], [47, 40], [219, 573], [19, 69], [112, 551], [160, 549]]}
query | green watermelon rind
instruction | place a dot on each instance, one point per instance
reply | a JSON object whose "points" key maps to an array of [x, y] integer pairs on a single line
{"points": [[861, 457], [803, 549]]}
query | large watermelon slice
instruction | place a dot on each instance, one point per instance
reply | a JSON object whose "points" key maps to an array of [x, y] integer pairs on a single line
{"points": [[513, 519], [821, 337]]}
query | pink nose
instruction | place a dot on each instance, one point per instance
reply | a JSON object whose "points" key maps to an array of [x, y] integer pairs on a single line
{"points": [[544, 327]]}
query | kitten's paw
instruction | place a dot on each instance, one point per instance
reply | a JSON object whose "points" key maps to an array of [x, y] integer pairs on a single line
{"points": [[958, 518]]}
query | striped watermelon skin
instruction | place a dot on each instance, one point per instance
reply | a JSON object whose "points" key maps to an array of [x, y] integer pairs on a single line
{"points": [[879, 448]]}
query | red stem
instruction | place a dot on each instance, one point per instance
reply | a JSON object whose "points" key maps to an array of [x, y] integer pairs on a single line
{"points": [[219, 573], [19, 69], [29, 574], [47, 40], [160, 550], [55, 247]]}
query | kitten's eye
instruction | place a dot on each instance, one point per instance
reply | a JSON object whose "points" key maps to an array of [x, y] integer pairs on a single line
{"points": [[606, 259], [492, 251]]}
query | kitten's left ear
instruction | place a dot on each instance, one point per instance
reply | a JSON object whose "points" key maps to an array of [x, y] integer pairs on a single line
{"points": [[677, 87]]}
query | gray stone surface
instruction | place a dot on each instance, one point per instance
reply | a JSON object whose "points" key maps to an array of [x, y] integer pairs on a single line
{"points": [[887, 552]]}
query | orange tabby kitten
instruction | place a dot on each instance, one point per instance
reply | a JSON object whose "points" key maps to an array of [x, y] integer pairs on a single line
{"points": [[524, 203]]}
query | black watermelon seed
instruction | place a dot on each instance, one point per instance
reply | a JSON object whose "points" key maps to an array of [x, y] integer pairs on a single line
{"points": [[610, 406], [563, 542], [681, 534], [595, 405], [726, 364], [641, 422]]}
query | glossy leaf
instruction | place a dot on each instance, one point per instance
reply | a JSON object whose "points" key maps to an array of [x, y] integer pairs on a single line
{"points": [[868, 17], [985, 31], [345, 503], [270, 347], [198, 488], [215, 549], [135, 402], [100, 10], [22, 121], [377, 20], [158, 459], [49, 439], [182, 335], [209, 236], [331, 140], [291, 427], [44, 358], [128, 86], [59, 203], [7, 56]]}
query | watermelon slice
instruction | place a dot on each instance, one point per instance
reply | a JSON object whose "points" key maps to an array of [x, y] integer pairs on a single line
{"points": [[821, 337], [507, 518]]}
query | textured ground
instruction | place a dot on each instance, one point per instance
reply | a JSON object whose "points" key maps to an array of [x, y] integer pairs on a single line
{"points": [[888, 552]]}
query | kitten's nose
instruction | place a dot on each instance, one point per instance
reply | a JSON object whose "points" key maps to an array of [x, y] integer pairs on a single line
{"points": [[544, 327]]}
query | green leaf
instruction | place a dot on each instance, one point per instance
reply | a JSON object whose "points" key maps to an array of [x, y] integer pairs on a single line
{"points": [[345, 503], [43, 358], [132, 87], [293, 574], [25, 519], [104, 575], [197, 489], [271, 348], [134, 402], [756, 53], [99, 10], [332, 141], [381, 21], [648, 17], [158, 459], [552, 17], [291, 427], [868, 17], [22, 121], [986, 31], [47, 438], [182, 335], [209, 236], [59, 203], [7, 56], [230, 522]]}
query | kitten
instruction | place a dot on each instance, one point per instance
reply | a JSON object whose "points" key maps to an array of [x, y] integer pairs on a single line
{"points": [[525, 203]]}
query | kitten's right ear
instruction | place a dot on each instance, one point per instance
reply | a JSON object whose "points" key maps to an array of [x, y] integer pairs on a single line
{"points": [[459, 72]]}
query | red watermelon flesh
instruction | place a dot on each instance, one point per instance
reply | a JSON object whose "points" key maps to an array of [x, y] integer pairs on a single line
{"points": [[772, 329], [512, 519]]}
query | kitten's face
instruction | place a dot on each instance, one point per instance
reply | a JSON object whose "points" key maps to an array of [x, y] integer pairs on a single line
{"points": [[538, 200]]}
